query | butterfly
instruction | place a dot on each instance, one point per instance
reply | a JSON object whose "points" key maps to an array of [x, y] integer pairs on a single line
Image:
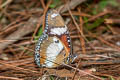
{"points": [[54, 45]]}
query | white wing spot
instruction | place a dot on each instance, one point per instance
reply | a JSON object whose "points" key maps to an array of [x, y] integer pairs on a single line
{"points": [[54, 15], [58, 31]]}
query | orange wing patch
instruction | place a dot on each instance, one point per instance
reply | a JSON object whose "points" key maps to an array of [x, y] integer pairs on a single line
{"points": [[63, 39]]}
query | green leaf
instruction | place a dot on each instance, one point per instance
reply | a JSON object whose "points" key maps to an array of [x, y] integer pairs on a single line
{"points": [[112, 78], [51, 78], [39, 33], [114, 3], [95, 24], [94, 12], [52, 6], [103, 4], [55, 3], [85, 19]]}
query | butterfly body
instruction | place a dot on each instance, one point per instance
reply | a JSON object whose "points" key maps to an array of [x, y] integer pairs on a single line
{"points": [[54, 46]]}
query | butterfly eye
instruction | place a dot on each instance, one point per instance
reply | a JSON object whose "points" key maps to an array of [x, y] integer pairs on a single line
{"points": [[57, 41]]}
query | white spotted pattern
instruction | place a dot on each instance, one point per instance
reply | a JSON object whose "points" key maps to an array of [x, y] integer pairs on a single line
{"points": [[53, 51]]}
